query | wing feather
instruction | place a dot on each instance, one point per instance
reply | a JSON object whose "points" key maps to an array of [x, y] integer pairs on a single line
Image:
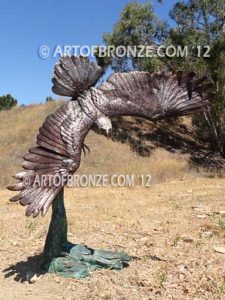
{"points": [[157, 95], [54, 156]]}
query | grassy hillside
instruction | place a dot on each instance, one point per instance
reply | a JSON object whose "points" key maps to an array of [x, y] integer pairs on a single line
{"points": [[20, 127]]}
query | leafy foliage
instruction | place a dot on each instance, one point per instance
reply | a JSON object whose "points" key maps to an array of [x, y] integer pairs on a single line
{"points": [[138, 25], [199, 25], [49, 99], [7, 102]]}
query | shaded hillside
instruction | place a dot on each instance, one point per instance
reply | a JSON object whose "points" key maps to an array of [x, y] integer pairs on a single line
{"points": [[175, 136]]}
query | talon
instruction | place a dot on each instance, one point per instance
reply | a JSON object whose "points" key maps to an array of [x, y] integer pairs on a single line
{"points": [[85, 147]]}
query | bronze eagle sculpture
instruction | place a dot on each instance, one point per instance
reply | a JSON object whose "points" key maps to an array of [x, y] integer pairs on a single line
{"points": [[61, 138]]}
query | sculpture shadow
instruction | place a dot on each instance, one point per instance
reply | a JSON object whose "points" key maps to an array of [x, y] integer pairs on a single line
{"points": [[23, 270], [75, 261]]}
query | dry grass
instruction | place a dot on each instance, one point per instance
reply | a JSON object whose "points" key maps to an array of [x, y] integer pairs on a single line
{"points": [[108, 157], [171, 229], [166, 165]]}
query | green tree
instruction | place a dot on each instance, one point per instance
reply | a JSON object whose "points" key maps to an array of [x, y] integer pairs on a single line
{"points": [[200, 26], [49, 99], [138, 26], [7, 102]]}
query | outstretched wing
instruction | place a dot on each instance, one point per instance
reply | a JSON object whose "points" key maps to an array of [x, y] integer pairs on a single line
{"points": [[155, 95], [57, 155]]}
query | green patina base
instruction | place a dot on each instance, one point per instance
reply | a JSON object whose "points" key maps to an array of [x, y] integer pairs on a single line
{"points": [[74, 261]]}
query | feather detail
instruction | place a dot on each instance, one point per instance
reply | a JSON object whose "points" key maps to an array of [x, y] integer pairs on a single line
{"points": [[73, 75]]}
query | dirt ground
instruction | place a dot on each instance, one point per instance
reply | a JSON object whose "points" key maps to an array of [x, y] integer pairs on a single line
{"points": [[171, 229]]}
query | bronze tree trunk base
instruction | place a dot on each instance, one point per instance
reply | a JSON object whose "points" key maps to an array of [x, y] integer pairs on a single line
{"points": [[75, 261]]}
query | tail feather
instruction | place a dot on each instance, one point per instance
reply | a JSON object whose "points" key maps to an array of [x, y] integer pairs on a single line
{"points": [[73, 75]]}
